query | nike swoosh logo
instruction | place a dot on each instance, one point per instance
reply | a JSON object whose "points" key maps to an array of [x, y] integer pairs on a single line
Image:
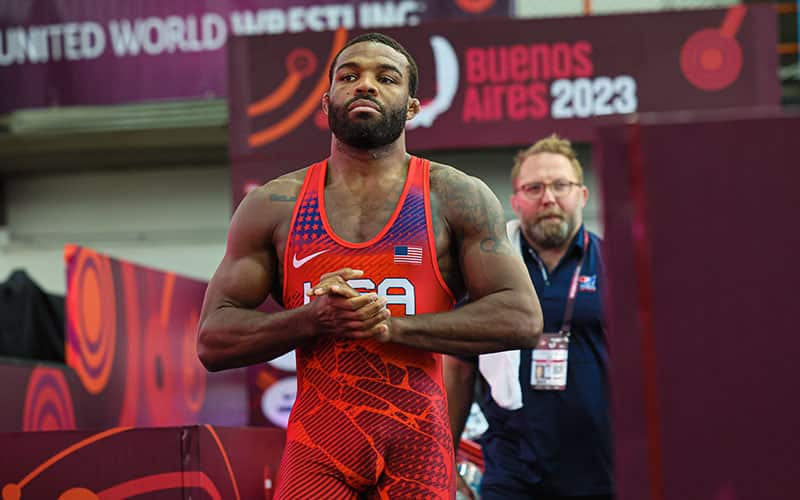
{"points": [[299, 262]]}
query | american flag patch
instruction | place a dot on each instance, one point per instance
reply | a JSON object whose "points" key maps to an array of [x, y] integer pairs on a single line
{"points": [[406, 254], [587, 283]]}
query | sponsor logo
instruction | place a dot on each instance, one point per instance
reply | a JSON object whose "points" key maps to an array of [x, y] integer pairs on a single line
{"points": [[297, 263]]}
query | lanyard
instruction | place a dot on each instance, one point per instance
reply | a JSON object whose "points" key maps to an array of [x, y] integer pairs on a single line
{"points": [[566, 326]]}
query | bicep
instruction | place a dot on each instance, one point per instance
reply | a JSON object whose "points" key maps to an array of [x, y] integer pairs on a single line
{"points": [[245, 276], [488, 262], [242, 281]]}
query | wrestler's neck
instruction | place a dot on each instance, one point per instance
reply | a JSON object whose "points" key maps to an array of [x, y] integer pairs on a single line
{"points": [[350, 164]]}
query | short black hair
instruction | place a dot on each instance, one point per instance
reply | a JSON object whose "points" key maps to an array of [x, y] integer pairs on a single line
{"points": [[413, 71]]}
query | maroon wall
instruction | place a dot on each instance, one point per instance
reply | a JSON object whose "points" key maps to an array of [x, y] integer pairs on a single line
{"points": [[701, 246]]}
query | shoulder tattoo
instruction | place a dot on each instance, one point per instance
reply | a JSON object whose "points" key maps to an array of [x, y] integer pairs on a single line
{"points": [[475, 207], [282, 197]]}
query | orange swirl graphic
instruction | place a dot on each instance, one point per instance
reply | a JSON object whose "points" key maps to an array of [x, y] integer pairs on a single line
{"points": [[300, 63], [225, 458], [194, 375], [13, 491], [275, 99], [128, 415], [302, 112], [48, 403], [159, 482], [159, 367], [91, 310]]}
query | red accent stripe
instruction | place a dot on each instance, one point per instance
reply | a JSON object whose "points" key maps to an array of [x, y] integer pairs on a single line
{"points": [[469, 450], [643, 266]]}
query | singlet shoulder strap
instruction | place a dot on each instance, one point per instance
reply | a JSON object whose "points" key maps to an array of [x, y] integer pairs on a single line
{"points": [[312, 174]]}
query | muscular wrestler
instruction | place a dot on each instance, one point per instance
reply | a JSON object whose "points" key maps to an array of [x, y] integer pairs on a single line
{"points": [[368, 250]]}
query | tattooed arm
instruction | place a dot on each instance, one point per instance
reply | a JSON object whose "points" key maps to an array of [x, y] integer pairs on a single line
{"points": [[503, 312], [231, 333]]}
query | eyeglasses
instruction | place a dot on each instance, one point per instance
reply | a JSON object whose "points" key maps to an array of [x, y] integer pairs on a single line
{"points": [[559, 187]]}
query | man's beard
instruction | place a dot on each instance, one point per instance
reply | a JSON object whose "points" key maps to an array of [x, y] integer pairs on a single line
{"points": [[550, 233], [368, 133]]}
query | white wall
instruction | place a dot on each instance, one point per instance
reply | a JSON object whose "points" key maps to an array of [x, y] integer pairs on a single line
{"points": [[169, 218]]}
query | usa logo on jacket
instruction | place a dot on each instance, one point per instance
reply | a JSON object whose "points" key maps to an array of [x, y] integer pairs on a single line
{"points": [[587, 283]]}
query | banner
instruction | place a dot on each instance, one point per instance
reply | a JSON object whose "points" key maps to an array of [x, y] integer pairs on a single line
{"points": [[505, 82], [130, 340], [81, 52], [198, 462]]}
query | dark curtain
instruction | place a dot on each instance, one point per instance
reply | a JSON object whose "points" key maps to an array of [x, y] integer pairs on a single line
{"points": [[31, 320]]}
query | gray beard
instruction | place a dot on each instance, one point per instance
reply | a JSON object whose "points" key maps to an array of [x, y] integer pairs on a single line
{"points": [[550, 234]]}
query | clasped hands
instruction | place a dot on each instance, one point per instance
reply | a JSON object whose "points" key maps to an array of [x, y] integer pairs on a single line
{"points": [[342, 311]]}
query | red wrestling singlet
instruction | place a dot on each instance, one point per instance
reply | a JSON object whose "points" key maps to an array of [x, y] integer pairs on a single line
{"points": [[370, 419]]}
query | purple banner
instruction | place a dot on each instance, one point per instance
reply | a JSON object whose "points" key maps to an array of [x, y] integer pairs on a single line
{"points": [[505, 82], [81, 52]]}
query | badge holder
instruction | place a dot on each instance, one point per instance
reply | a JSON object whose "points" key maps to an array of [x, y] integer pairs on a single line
{"points": [[549, 359], [549, 365]]}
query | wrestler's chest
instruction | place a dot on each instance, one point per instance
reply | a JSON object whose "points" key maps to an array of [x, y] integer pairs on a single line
{"points": [[360, 226]]}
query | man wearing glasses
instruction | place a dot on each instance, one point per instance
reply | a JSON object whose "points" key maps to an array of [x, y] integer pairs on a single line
{"points": [[549, 434]]}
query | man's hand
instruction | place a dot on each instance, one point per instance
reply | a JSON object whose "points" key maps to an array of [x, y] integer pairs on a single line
{"points": [[342, 311]]}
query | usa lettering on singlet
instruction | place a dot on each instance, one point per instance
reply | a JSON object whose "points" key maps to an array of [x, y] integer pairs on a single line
{"points": [[368, 414]]}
